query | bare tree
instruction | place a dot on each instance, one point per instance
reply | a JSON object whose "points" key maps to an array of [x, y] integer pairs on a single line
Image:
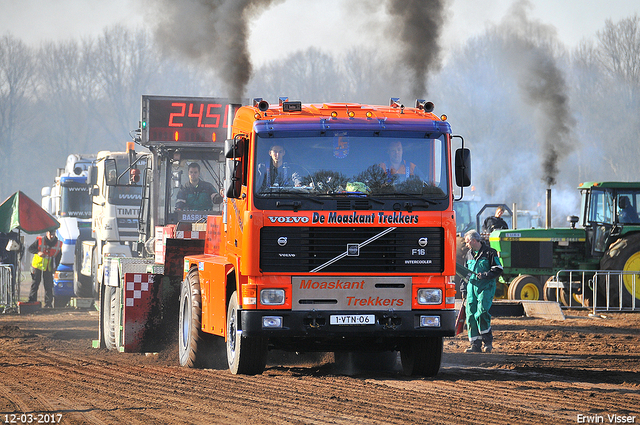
{"points": [[619, 50], [16, 91], [309, 76], [126, 65], [68, 88]]}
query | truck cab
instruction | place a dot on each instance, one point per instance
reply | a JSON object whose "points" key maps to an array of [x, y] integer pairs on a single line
{"points": [[117, 190], [69, 201]]}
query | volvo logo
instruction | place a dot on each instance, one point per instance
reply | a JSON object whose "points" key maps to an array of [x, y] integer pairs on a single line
{"points": [[282, 241], [423, 242], [353, 249]]}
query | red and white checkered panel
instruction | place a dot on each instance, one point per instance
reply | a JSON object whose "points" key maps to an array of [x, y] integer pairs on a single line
{"points": [[135, 287], [186, 234], [138, 300]]}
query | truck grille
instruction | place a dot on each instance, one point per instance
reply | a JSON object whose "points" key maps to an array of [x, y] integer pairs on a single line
{"points": [[306, 249]]}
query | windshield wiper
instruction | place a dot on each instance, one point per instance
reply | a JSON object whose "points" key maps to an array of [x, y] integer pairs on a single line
{"points": [[424, 202], [359, 195], [297, 204]]}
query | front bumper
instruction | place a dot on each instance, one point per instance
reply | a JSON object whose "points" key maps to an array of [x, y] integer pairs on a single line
{"points": [[63, 288], [311, 330]]}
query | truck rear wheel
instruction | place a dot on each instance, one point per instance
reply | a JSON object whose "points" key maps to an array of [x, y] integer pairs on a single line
{"points": [[245, 355], [623, 254], [195, 347], [525, 287], [421, 356], [82, 285], [108, 314]]}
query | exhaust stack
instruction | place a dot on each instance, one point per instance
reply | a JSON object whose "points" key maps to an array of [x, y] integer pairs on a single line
{"points": [[548, 210]]}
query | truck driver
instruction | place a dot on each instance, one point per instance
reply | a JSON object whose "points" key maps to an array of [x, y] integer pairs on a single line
{"points": [[197, 194]]}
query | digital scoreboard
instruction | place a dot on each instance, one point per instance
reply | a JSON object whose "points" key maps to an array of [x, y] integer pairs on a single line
{"points": [[176, 120]]}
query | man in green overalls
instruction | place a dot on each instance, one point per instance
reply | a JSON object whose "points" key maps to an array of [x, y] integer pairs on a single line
{"points": [[485, 266]]}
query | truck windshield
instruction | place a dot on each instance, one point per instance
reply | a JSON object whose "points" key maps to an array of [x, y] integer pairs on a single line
{"points": [[75, 200], [344, 164], [125, 192], [192, 188]]}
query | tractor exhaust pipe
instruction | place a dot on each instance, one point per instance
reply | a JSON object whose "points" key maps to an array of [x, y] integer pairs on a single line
{"points": [[548, 210]]}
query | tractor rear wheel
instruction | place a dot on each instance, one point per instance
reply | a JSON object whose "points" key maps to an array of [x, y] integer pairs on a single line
{"points": [[525, 287], [550, 294], [623, 254], [245, 355]]}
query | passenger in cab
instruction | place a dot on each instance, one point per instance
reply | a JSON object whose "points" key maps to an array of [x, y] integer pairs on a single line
{"points": [[396, 168]]}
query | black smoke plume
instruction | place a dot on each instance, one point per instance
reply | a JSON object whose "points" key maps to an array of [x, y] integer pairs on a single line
{"points": [[529, 54], [418, 26], [212, 32]]}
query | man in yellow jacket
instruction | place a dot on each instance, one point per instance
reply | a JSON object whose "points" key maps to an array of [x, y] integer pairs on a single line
{"points": [[46, 251]]}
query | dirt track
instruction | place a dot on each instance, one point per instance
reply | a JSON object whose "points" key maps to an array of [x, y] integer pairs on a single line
{"points": [[541, 371]]}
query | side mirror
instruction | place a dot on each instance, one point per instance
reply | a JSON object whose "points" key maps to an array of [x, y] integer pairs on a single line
{"points": [[46, 191], [234, 148], [110, 172], [92, 175], [463, 167], [234, 179]]}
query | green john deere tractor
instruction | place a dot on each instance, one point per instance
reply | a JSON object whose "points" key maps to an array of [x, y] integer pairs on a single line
{"points": [[607, 238]]}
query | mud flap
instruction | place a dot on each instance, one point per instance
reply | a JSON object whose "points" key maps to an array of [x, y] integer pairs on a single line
{"points": [[141, 310]]}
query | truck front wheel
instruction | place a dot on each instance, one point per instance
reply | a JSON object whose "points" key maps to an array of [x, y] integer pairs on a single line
{"points": [[421, 356], [195, 347], [245, 355], [109, 311]]}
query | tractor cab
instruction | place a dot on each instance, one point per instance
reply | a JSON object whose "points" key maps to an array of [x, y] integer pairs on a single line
{"points": [[609, 210]]}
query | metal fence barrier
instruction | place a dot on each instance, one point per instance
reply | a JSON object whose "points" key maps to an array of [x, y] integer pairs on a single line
{"points": [[8, 295], [613, 290]]}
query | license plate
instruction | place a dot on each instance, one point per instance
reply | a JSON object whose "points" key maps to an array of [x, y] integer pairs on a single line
{"points": [[352, 319]]}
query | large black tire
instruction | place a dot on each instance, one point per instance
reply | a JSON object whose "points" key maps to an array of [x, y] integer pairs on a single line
{"points": [[550, 294], [196, 348], [94, 273], [82, 285], [525, 287], [421, 356], [60, 302], [110, 310], [623, 254], [360, 361], [245, 355]]}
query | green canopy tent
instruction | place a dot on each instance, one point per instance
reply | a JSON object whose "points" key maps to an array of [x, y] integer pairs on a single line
{"points": [[19, 211]]}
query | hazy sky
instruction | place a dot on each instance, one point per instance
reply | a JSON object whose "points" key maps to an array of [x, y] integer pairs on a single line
{"points": [[332, 25]]}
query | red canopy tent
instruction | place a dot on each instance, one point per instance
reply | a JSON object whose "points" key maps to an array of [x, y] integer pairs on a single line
{"points": [[19, 211]]}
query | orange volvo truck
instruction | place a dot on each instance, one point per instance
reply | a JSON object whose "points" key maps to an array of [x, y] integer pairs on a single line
{"points": [[337, 233]]}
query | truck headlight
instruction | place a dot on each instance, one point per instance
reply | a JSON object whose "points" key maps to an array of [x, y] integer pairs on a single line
{"points": [[272, 296], [271, 322], [430, 321], [429, 296], [63, 275]]}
